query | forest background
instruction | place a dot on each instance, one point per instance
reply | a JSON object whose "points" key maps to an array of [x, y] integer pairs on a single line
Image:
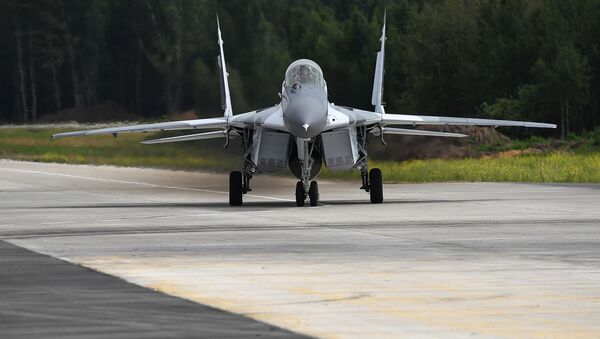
{"points": [[508, 59]]}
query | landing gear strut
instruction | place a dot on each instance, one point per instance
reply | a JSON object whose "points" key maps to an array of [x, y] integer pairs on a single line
{"points": [[372, 181], [249, 170], [305, 188], [239, 182]]}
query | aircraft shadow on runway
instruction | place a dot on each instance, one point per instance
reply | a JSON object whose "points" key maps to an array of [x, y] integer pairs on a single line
{"points": [[256, 204]]}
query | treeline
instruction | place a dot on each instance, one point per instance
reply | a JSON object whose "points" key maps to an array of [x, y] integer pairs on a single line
{"points": [[512, 59]]}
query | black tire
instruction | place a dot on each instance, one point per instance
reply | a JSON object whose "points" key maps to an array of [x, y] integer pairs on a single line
{"points": [[313, 193], [235, 188], [300, 196], [376, 186]]}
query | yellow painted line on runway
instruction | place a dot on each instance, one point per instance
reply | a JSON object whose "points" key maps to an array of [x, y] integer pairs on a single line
{"points": [[136, 183]]}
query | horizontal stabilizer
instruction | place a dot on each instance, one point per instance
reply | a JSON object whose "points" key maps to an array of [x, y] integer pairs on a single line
{"points": [[404, 131], [189, 137]]}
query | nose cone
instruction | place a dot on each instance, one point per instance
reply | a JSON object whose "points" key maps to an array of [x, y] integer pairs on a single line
{"points": [[305, 117]]}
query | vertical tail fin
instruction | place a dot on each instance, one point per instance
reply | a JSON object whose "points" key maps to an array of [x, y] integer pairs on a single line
{"points": [[377, 98], [225, 95]]}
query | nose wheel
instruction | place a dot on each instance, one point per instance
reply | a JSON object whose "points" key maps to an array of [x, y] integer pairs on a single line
{"points": [[300, 194], [312, 194]]}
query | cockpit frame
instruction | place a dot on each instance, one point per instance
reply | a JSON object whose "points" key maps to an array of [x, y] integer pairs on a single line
{"points": [[304, 72]]}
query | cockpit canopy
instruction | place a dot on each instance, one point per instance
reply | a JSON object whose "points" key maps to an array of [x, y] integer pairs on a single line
{"points": [[304, 71]]}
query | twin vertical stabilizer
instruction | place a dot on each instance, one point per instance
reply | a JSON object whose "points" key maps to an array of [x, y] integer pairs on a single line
{"points": [[225, 94], [377, 98]]}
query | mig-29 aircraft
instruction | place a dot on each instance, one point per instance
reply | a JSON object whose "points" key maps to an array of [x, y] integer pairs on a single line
{"points": [[304, 130]]}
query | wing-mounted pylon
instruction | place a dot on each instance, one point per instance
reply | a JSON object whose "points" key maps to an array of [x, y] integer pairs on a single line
{"points": [[190, 137], [419, 132]]}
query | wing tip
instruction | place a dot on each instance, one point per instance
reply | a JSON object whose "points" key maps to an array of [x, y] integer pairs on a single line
{"points": [[67, 134], [543, 125]]}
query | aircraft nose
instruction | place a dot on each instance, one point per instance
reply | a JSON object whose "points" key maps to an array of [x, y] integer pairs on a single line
{"points": [[305, 118]]}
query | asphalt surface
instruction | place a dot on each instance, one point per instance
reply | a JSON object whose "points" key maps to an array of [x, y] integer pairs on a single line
{"points": [[458, 260], [44, 297]]}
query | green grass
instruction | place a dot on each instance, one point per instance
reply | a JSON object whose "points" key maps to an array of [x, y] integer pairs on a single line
{"points": [[581, 166], [549, 167], [125, 150]]}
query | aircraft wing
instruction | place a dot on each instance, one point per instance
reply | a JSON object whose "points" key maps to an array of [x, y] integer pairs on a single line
{"points": [[386, 119], [267, 117], [403, 119], [161, 126]]}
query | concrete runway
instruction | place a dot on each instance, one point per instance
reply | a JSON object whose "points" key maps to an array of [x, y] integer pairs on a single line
{"points": [[435, 260]]}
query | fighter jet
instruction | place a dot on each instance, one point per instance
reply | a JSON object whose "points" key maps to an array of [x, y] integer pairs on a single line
{"points": [[304, 131]]}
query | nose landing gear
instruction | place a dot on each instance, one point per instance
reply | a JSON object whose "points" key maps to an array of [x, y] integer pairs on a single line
{"points": [[306, 188], [312, 194]]}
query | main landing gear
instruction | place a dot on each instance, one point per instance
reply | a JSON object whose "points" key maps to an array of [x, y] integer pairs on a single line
{"points": [[236, 186], [239, 184], [376, 186], [373, 183]]}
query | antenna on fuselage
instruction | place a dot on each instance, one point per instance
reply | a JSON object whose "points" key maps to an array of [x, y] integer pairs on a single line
{"points": [[377, 98]]}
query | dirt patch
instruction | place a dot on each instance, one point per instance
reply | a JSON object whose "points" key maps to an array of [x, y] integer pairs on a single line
{"points": [[404, 147]]}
